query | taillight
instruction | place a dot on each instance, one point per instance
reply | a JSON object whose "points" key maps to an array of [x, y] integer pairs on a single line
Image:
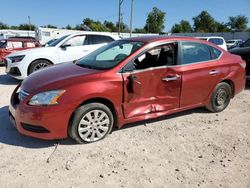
{"points": [[243, 64]]}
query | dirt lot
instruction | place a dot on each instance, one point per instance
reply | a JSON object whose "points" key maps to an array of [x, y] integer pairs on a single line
{"points": [[191, 149]]}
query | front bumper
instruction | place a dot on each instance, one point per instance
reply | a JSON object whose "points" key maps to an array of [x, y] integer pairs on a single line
{"points": [[15, 70], [48, 122]]}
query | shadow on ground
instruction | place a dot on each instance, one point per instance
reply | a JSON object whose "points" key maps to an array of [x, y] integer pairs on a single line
{"points": [[10, 136], [7, 80], [167, 117]]}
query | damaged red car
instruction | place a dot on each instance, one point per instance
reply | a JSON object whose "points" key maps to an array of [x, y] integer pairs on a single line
{"points": [[125, 81]]}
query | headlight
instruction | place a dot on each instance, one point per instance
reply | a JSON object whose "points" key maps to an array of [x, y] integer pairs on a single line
{"points": [[46, 98], [15, 59]]}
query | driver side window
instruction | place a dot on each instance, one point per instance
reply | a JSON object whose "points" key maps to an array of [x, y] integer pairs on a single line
{"points": [[163, 55], [76, 41]]}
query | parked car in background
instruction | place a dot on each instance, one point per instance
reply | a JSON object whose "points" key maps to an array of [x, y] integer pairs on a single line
{"points": [[234, 43], [244, 52], [14, 44], [67, 48], [125, 81], [219, 41]]}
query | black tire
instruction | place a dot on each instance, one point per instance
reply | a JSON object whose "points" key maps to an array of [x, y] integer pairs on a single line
{"points": [[220, 98], [38, 64], [90, 127]]}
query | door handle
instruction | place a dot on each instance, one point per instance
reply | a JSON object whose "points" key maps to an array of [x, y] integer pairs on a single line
{"points": [[170, 78], [213, 72]]}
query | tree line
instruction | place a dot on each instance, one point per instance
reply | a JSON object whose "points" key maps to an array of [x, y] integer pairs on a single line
{"points": [[155, 20]]}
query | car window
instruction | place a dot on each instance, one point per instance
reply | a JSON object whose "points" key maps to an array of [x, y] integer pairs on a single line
{"points": [[247, 43], [30, 44], [14, 44], [163, 55], [216, 41], [215, 52], [99, 39], [195, 52], [76, 41]]}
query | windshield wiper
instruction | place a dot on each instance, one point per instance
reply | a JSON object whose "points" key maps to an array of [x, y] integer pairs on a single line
{"points": [[86, 66]]}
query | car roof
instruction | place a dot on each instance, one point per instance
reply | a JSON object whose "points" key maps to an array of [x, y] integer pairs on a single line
{"points": [[210, 37], [93, 33], [153, 38], [25, 39]]}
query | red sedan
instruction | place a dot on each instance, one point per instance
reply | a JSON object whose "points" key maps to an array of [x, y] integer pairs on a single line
{"points": [[125, 81]]}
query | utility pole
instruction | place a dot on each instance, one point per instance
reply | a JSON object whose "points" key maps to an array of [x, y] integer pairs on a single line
{"points": [[131, 16], [119, 16], [29, 25]]}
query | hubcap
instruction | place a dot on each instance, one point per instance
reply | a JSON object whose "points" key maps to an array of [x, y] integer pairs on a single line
{"points": [[222, 97], [40, 66], [94, 125]]}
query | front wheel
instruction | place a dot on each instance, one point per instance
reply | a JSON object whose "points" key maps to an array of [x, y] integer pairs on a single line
{"points": [[220, 98], [38, 64], [91, 122]]}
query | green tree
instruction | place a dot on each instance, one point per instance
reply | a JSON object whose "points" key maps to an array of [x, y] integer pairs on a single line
{"points": [[78, 27], [183, 27], [176, 28], [110, 25], [238, 23], [204, 22], [222, 27], [186, 27], [139, 30], [68, 27], [27, 27], [94, 25], [51, 26], [155, 21], [3, 26]]}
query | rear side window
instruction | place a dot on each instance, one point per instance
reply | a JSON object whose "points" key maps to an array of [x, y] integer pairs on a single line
{"points": [[195, 52], [215, 52], [99, 39], [30, 44], [216, 41], [14, 44], [76, 41]]}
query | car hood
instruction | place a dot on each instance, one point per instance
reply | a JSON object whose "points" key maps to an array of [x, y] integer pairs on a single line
{"points": [[39, 50], [57, 77]]}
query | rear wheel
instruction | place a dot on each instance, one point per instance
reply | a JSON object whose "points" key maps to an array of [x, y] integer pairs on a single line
{"points": [[91, 122], [220, 98], [38, 64]]}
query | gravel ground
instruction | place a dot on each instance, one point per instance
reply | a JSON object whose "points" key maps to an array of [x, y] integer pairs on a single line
{"points": [[189, 149]]}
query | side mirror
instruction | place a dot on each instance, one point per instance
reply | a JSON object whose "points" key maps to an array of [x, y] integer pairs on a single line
{"points": [[65, 45]]}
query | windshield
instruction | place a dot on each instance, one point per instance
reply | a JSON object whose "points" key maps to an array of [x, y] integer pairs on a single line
{"points": [[110, 55], [53, 44]]}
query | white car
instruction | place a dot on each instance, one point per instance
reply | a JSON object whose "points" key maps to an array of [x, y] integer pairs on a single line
{"points": [[219, 41], [65, 49], [234, 43]]}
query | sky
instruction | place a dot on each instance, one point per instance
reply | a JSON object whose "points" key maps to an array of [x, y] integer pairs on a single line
{"points": [[63, 12]]}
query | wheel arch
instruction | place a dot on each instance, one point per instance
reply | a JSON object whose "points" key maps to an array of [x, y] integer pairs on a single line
{"points": [[28, 70], [231, 83], [101, 100]]}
